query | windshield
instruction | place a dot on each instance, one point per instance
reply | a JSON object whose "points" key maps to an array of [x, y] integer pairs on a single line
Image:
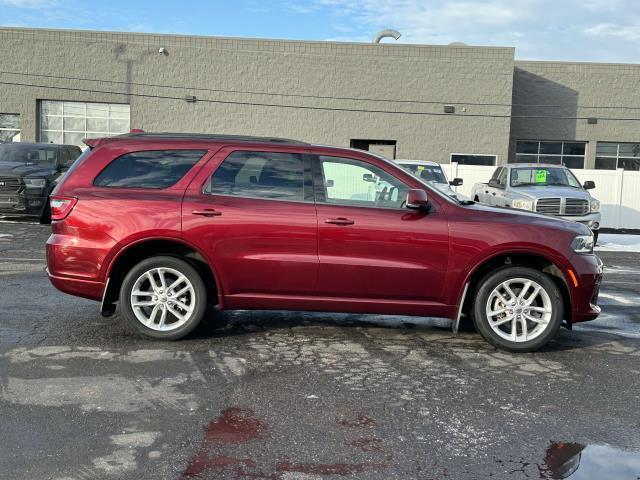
{"points": [[428, 173], [543, 177], [21, 154]]}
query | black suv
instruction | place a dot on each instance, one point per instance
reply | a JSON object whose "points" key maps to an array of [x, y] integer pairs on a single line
{"points": [[28, 173]]}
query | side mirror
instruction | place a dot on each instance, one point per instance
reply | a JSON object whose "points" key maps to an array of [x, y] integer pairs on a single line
{"points": [[417, 200], [589, 185], [456, 182], [494, 183], [369, 177]]}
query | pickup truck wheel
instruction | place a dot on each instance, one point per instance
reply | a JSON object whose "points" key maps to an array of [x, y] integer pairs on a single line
{"points": [[518, 309], [163, 297], [45, 218]]}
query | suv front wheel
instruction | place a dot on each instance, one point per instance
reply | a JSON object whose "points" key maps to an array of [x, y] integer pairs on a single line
{"points": [[518, 309], [163, 297]]}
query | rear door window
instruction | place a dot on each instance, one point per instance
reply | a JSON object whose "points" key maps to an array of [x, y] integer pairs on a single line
{"points": [[268, 175], [149, 169]]}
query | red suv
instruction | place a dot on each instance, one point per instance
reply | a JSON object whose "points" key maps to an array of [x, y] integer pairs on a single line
{"points": [[168, 225]]}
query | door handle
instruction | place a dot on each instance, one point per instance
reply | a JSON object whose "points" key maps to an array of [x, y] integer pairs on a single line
{"points": [[339, 221], [207, 212]]}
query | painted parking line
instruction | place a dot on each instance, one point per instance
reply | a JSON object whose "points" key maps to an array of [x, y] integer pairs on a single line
{"points": [[17, 222], [16, 259]]}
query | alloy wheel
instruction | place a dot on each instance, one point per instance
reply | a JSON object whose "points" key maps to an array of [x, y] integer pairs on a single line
{"points": [[163, 299], [519, 310]]}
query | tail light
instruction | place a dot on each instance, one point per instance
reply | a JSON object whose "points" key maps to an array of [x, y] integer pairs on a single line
{"points": [[61, 206]]}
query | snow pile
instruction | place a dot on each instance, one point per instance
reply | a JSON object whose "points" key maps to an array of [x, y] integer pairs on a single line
{"points": [[614, 242]]}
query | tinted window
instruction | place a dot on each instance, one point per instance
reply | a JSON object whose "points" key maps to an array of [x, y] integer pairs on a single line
{"points": [[502, 178], [496, 174], [527, 147], [573, 162], [570, 154], [353, 182], [604, 163], [428, 173], [151, 169], [473, 159], [548, 148], [27, 154], [269, 175], [64, 156]]}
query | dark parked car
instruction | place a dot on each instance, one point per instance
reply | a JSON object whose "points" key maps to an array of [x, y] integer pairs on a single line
{"points": [[170, 224], [28, 173]]}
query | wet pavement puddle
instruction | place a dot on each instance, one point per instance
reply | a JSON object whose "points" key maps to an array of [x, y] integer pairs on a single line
{"points": [[237, 426], [226, 437], [575, 461], [589, 462]]}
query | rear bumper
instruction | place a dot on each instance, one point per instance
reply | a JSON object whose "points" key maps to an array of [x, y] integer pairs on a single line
{"points": [[79, 287], [20, 204], [74, 263], [589, 270]]}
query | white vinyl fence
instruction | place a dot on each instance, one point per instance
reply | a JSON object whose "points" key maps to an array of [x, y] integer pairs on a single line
{"points": [[617, 190]]}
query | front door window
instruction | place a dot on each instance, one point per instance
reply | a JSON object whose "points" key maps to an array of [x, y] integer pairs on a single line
{"points": [[355, 183]]}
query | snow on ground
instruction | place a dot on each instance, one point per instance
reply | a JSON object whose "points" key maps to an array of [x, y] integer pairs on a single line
{"points": [[616, 242]]}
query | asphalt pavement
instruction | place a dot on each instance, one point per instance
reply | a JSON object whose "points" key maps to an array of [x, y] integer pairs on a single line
{"points": [[301, 396]]}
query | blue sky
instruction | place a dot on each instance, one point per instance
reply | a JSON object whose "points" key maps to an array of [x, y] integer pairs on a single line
{"points": [[579, 30]]}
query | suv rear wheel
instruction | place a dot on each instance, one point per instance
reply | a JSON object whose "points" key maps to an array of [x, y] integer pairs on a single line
{"points": [[518, 309], [163, 297]]}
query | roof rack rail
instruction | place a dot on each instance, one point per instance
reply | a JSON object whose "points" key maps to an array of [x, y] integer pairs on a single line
{"points": [[214, 137]]}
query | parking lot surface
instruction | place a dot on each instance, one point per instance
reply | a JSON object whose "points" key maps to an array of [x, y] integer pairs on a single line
{"points": [[288, 395]]}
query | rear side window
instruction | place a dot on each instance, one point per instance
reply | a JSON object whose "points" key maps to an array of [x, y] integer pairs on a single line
{"points": [[270, 175], [151, 169]]}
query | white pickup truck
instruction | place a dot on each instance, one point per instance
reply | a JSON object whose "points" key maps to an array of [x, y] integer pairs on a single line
{"points": [[548, 189]]}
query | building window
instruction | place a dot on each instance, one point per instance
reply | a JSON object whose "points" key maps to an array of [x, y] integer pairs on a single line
{"points": [[610, 156], [69, 122], [9, 127], [384, 148], [464, 159], [569, 154]]}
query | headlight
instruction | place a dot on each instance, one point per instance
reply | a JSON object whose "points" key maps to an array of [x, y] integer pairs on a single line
{"points": [[35, 182], [522, 204], [595, 205], [582, 244]]}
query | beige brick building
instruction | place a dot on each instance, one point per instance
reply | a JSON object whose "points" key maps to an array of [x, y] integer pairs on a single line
{"points": [[449, 102]]}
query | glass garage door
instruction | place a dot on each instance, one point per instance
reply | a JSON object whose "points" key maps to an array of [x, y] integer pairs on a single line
{"points": [[70, 122], [9, 127]]}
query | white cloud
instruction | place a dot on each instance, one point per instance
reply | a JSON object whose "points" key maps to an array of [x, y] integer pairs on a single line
{"points": [[28, 3], [626, 32], [588, 30]]}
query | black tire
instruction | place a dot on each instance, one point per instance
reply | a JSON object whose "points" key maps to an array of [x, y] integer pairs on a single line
{"points": [[200, 300], [493, 280], [45, 218], [476, 199], [595, 237]]}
